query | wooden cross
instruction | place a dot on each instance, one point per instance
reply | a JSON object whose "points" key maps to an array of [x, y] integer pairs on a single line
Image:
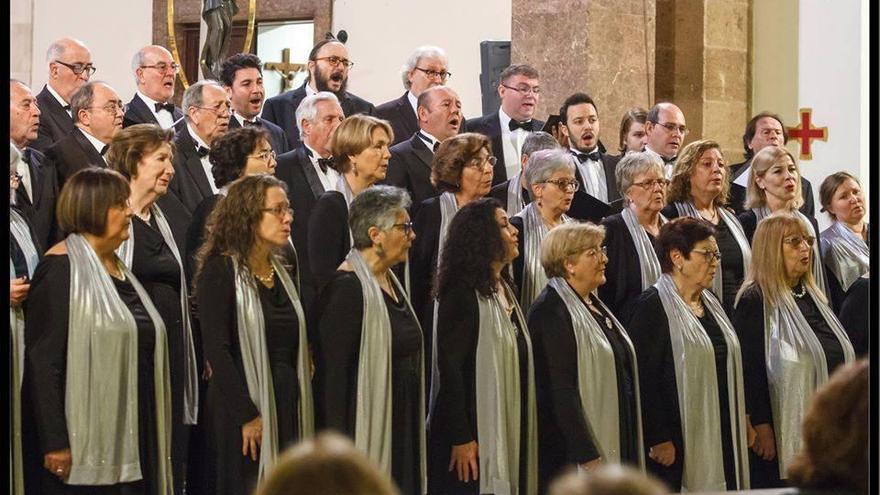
{"points": [[286, 69], [805, 132]]}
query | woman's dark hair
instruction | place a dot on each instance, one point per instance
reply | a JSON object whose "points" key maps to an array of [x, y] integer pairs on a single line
{"points": [[473, 242], [829, 187], [86, 197], [229, 153], [453, 155], [681, 234], [635, 114]]}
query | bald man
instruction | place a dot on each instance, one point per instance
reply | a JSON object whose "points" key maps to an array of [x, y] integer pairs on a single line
{"points": [[155, 73], [666, 129], [69, 63]]}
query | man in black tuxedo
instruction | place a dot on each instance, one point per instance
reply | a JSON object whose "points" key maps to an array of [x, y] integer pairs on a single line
{"points": [[242, 77], [424, 69], [508, 127], [97, 114], [38, 185], [439, 110], [307, 172], [328, 71], [155, 72], [666, 129], [595, 170], [764, 129], [70, 67], [206, 107], [535, 141]]}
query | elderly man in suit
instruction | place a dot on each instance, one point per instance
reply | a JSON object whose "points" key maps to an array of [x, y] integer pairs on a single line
{"points": [[97, 115], [206, 107], [38, 185], [328, 71], [507, 128], [155, 72], [425, 68], [439, 111], [242, 77], [70, 67]]}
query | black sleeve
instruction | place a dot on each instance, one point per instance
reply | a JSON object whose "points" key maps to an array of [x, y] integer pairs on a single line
{"points": [[397, 174], [458, 323], [337, 351], [749, 223], [195, 235], [519, 261], [215, 289], [748, 321], [46, 323], [613, 291], [421, 259], [556, 375], [855, 316], [328, 237]]}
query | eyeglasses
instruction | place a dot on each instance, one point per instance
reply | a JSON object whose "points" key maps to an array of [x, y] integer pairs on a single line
{"points": [[672, 127], [711, 256], [482, 164], [219, 109], [596, 250], [112, 107], [407, 227], [525, 90], [335, 61], [279, 211], [78, 68], [565, 185], [651, 184], [265, 156], [434, 74], [162, 67], [796, 240]]}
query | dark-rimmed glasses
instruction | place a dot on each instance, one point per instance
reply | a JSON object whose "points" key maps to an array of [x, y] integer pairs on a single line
{"points": [[431, 74], [525, 90], [78, 68], [407, 227], [334, 61], [565, 185]]}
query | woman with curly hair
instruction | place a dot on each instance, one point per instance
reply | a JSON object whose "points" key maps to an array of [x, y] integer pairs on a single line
{"points": [[259, 399], [483, 423]]}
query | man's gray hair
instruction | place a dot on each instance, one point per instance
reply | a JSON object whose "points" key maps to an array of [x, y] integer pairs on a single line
{"points": [[193, 96], [413, 60], [378, 206], [83, 98], [536, 141], [58, 47], [633, 164], [308, 108], [544, 163]]}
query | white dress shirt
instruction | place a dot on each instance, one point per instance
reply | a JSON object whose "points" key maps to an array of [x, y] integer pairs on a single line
{"points": [[328, 179], [163, 116], [206, 163], [59, 98], [95, 142], [430, 141], [593, 174], [24, 171], [414, 102], [667, 167], [512, 142]]}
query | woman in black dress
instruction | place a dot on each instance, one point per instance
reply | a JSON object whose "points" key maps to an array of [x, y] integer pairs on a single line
{"points": [[585, 365], [360, 155], [142, 153], [369, 356], [700, 189], [690, 368], [88, 315], [259, 397], [791, 342], [482, 425]]}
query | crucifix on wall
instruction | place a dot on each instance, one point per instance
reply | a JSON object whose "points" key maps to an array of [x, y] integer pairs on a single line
{"points": [[285, 68]]}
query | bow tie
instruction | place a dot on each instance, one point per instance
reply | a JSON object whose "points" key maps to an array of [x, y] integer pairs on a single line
{"points": [[324, 163], [104, 149], [202, 151], [66, 107], [514, 125], [165, 106], [594, 156], [669, 161], [252, 123]]}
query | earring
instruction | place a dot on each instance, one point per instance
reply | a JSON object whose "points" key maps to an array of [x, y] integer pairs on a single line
{"points": [[380, 251]]}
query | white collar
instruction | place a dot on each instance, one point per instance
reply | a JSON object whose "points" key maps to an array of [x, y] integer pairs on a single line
{"points": [[425, 134], [151, 103], [314, 155], [240, 118], [56, 95], [649, 150], [414, 102], [579, 152], [195, 137], [505, 120], [309, 90], [92, 139]]}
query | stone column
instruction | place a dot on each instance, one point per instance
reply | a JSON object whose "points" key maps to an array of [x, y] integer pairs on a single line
{"points": [[21, 36], [604, 48]]}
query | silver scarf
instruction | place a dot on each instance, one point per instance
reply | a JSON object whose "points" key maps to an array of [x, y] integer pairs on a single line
{"points": [[498, 396], [125, 251], [255, 360], [533, 277], [18, 228], [373, 428], [688, 209], [597, 375], [796, 367], [101, 395], [845, 254], [448, 209], [648, 262], [515, 203], [816, 262]]}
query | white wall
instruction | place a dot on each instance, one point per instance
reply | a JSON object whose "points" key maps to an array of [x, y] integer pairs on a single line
{"points": [[383, 33], [112, 29]]}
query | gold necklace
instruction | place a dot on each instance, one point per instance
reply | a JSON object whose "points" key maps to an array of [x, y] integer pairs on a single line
{"points": [[267, 279]]}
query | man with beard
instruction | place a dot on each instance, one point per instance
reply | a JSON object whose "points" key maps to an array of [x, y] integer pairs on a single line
{"points": [[328, 71], [595, 170], [155, 72], [243, 80], [666, 129]]}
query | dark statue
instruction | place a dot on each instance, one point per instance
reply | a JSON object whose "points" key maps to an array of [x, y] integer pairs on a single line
{"points": [[218, 16]]}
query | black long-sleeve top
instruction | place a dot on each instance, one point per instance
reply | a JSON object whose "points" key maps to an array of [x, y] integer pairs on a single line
{"points": [[423, 260], [623, 271], [328, 239]]}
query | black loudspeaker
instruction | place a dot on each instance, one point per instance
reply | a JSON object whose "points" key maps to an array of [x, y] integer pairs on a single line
{"points": [[494, 58]]}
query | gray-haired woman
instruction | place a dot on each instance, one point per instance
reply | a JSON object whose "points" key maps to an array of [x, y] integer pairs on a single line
{"points": [[630, 235], [369, 349], [551, 181]]}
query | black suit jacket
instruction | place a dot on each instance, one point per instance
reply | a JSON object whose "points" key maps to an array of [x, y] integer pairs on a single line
{"points": [[328, 237], [73, 153], [189, 184], [278, 139], [40, 209], [499, 192], [399, 113], [55, 122], [281, 110], [490, 126], [410, 169], [738, 192], [587, 207], [137, 112]]}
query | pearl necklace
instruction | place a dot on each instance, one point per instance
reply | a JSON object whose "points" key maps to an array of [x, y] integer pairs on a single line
{"points": [[802, 293]]}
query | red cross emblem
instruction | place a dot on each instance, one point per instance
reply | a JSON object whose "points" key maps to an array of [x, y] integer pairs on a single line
{"points": [[805, 132]]}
